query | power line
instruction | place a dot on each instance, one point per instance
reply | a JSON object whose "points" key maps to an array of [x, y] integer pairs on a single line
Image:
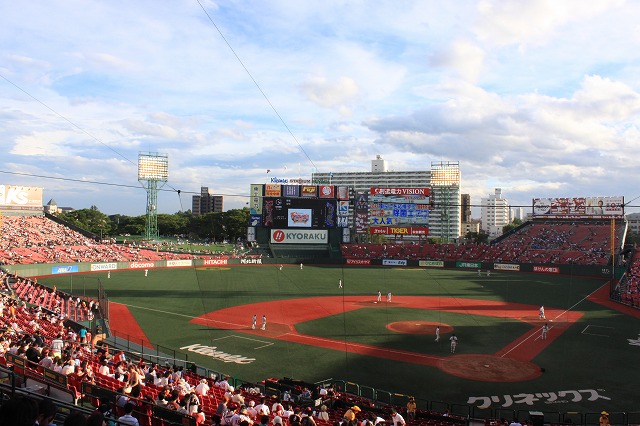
{"points": [[65, 119], [121, 185], [257, 85]]}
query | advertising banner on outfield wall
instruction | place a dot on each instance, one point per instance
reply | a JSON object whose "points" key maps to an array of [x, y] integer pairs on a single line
{"points": [[506, 267], [141, 265], [431, 263], [546, 269], [218, 261], [68, 269], [394, 262], [474, 265], [291, 236], [178, 263], [104, 266], [358, 261]]}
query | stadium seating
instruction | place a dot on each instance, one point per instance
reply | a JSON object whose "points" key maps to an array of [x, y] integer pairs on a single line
{"points": [[37, 239], [560, 242], [628, 289]]}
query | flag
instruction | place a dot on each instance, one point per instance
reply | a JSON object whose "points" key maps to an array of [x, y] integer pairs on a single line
{"points": [[268, 170]]}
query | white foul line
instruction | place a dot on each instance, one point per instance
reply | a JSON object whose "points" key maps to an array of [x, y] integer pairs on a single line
{"points": [[557, 316]]}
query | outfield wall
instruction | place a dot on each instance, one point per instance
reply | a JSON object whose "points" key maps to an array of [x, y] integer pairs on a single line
{"points": [[35, 270]]}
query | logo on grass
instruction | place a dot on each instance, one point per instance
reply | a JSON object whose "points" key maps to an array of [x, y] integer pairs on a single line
{"points": [[634, 342], [215, 354]]}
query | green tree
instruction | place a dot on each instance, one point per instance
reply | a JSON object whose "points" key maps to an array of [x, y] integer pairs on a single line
{"points": [[477, 237], [235, 223], [513, 225], [172, 224], [90, 219]]}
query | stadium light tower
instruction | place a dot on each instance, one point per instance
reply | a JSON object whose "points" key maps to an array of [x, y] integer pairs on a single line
{"points": [[153, 173]]}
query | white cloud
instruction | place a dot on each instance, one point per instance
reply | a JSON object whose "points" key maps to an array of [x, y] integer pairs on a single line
{"points": [[539, 97], [463, 57], [329, 94]]}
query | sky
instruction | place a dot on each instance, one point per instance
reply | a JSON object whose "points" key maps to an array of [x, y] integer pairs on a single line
{"points": [[539, 97]]}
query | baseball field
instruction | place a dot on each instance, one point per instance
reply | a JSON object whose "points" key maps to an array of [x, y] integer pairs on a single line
{"points": [[327, 323]]}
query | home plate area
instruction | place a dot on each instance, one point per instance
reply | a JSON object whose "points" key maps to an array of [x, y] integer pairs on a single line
{"points": [[489, 368]]}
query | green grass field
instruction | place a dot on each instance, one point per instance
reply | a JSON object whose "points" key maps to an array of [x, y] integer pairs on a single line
{"points": [[588, 368]]}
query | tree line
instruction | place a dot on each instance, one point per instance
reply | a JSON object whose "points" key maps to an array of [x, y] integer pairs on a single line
{"points": [[220, 226]]}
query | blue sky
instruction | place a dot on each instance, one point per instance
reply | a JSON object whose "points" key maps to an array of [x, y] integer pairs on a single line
{"points": [[538, 97]]}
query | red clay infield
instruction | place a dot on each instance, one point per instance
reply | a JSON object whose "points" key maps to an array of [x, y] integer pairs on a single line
{"points": [[511, 363], [418, 327]]}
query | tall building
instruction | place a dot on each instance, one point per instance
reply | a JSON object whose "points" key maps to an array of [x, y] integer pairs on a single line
{"points": [[465, 208], [206, 203], [444, 218], [517, 213], [494, 214]]}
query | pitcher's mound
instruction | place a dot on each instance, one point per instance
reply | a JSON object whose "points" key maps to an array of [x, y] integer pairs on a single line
{"points": [[418, 327], [489, 368]]}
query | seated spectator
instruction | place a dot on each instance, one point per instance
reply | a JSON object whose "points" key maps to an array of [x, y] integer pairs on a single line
{"points": [[202, 388], [127, 418]]}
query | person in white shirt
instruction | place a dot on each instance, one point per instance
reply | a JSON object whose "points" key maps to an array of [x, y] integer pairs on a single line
{"points": [[251, 410], [202, 388], [68, 368], [262, 408], [396, 418]]}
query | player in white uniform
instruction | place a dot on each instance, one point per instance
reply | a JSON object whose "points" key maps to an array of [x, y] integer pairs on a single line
{"points": [[339, 283], [254, 320], [454, 343], [541, 313], [545, 331], [389, 297], [264, 322], [437, 333]]}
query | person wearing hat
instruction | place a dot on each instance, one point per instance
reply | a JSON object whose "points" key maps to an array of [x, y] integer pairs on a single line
{"points": [[604, 419], [350, 414]]}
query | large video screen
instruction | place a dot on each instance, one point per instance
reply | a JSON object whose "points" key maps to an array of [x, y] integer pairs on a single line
{"points": [[283, 212], [399, 206]]}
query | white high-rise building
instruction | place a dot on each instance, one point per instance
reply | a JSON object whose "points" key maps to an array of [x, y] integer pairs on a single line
{"points": [[494, 214], [517, 213], [443, 179]]}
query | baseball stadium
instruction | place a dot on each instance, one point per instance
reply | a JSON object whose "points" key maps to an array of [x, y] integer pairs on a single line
{"points": [[338, 305]]}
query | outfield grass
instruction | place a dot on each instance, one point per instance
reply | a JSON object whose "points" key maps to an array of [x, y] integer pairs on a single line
{"points": [[599, 358]]}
